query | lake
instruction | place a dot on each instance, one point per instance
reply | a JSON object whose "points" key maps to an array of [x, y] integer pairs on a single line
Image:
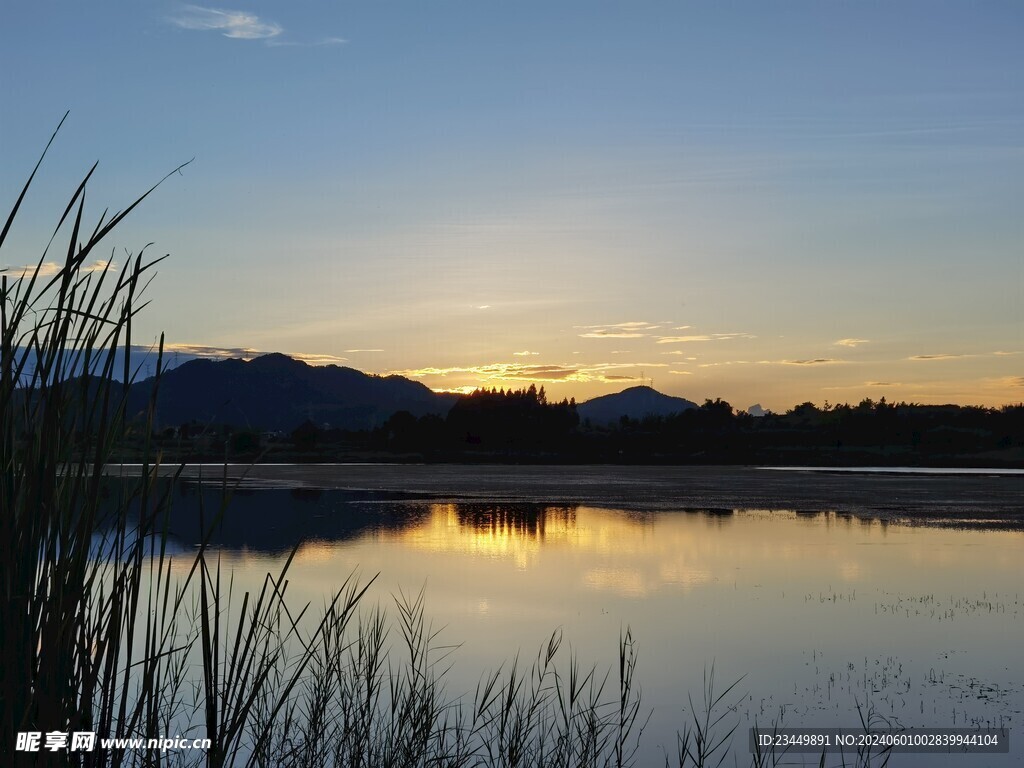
{"points": [[818, 592]]}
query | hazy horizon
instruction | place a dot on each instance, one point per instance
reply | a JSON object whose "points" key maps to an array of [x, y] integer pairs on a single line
{"points": [[767, 203]]}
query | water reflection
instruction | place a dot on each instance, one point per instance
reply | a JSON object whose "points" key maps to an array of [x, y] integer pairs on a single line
{"points": [[274, 522], [820, 610], [649, 549], [517, 532], [630, 553]]}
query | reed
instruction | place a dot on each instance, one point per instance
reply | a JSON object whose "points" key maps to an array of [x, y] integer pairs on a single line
{"points": [[103, 631], [77, 632]]}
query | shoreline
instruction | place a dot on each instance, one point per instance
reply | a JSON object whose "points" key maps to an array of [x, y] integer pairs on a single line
{"points": [[973, 499]]}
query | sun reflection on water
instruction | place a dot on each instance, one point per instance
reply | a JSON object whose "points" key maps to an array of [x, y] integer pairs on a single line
{"points": [[490, 531]]}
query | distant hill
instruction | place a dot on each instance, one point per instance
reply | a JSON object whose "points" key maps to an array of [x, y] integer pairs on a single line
{"points": [[275, 392], [635, 402]]}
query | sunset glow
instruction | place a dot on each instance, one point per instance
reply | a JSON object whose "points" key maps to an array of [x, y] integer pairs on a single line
{"points": [[809, 201]]}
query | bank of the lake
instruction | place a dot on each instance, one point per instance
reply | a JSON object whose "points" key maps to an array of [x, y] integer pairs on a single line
{"points": [[967, 497]]}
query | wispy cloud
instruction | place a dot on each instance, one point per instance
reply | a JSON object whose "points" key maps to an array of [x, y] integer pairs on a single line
{"points": [[522, 372], [244, 353], [467, 390], [608, 366], [313, 358], [682, 373], [46, 269], [51, 268], [211, 353], [962, 355], [525, 353], [364, 350], [633, 329], [703, 337], [636, 325], [850, 342], [611, 334], [496, 371], [812, 361], [809, 361], [239, 25], [882, 384]]}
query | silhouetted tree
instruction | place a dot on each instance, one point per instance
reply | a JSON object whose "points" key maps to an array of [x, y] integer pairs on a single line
{"points": [[512, 419]]}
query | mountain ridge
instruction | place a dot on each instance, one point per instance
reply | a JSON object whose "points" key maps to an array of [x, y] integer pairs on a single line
{"points": [[634, 402], [275, 392]]}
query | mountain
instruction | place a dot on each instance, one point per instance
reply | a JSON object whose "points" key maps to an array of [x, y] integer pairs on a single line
{"points": [[635, 402], [275, 392]]}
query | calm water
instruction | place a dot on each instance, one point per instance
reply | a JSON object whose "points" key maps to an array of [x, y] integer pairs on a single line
{"points": [[816, 611]]}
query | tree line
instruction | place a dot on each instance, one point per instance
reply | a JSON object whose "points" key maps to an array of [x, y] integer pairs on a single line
{"points": [[523, 425]]}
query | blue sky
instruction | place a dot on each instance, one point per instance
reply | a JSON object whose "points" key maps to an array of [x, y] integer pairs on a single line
{"points": [[767, 202]]}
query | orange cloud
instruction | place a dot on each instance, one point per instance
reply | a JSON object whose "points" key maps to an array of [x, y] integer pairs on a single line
{"points": [[703, 337]]}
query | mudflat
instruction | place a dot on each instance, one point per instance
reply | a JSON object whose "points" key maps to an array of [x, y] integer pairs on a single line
{"points": [[975, 499]]}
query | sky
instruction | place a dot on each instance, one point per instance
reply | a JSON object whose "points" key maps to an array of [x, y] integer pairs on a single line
{"points": [[767, 202]]}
